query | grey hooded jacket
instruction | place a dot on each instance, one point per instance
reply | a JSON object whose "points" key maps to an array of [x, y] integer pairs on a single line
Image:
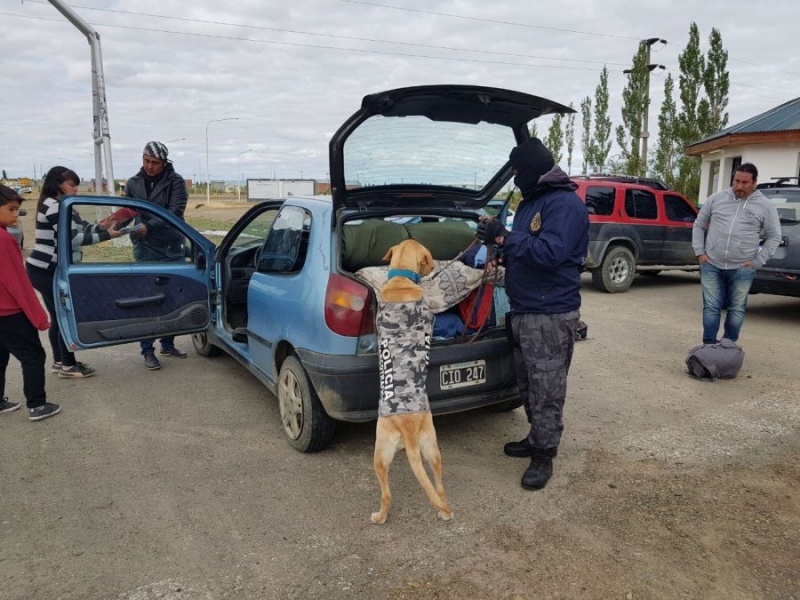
{"points": [[729, 231]]}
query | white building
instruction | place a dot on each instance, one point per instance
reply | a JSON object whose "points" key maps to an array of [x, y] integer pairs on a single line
{"points": [[771, 141]]}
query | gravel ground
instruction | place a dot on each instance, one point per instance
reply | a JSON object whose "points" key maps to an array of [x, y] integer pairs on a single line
{"points": [[178, 485]]}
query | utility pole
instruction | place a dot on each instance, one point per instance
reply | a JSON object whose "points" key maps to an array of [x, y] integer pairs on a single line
{"points": [[648, 43], [102, 137]]}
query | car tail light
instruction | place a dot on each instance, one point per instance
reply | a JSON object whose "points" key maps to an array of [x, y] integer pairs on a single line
{"points": [[348, 310]]}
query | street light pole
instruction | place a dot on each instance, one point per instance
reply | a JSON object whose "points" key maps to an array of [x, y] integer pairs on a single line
{"points": [[239, 174], [208, 173]]}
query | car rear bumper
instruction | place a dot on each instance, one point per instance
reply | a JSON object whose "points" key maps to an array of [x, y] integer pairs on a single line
{"points": [[780, 283], [348, 386]]}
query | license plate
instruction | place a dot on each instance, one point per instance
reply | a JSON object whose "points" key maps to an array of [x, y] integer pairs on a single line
{"points": [[458, 375]]}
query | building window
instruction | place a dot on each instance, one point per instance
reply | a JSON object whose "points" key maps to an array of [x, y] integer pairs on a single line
{"points": [[736, 162]]}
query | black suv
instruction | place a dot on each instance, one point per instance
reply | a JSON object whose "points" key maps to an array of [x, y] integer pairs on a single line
{"points": [[781, 274], [636, 224]]}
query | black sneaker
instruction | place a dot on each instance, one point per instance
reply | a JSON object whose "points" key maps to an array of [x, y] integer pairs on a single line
{"points": [[76, 371], [151, 362], [43, 412], [55, 367], [6, 406], [173, 351], [520, 449]]}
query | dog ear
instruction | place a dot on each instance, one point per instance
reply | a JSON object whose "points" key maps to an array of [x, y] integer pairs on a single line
{"points": [[388, 256], [426, 264]]}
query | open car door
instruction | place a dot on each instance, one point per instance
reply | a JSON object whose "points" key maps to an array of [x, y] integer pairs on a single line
{"points": [[132, 287]]}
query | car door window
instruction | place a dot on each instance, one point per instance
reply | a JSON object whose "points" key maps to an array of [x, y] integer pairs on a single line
{"points": [[677, 209], [286, 245], [640, 204], [600, 200], [161, 243]]}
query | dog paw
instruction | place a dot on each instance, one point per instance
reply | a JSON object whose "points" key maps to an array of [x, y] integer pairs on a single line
{"points": [[378, 519], [445, 516]]}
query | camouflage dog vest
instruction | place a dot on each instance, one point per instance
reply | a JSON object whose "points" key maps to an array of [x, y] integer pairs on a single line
{"points": [[404, 342]]}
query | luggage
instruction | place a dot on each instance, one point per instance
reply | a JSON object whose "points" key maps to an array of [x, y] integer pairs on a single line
{"points": [[722, 360]]}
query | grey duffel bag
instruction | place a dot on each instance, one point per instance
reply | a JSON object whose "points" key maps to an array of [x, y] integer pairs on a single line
{"points": [[715, 361]]}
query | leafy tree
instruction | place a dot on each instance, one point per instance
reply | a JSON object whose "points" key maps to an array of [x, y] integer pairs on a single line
{"points": [[689, 129], [570, 135], [587, 146], [716, 83], [602, 124], [534, 130], [5, 177], [635, 99], [555, 138], [668, 150]]}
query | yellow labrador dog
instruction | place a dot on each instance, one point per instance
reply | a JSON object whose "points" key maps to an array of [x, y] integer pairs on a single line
{"points": [[404, 325]]}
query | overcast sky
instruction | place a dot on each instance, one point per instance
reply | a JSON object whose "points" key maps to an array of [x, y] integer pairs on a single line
{"points": [[291, 72]]}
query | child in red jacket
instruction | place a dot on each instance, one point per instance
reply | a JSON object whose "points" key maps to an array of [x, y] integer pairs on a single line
{"points": [[21, 318]]}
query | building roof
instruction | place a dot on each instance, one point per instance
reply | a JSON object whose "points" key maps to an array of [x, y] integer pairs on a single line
{"points": [[779, 121]]}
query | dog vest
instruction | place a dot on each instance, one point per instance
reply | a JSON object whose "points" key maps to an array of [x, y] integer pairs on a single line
{"points": [[404, 343]]}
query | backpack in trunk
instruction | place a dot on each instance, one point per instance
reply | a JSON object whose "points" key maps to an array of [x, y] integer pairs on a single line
{"points": [[722, 360]]}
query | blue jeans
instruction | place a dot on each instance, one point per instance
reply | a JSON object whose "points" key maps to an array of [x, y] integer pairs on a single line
{"points": [[148, 347], [724, 289]]}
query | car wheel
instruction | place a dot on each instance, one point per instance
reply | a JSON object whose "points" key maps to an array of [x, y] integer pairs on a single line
{"points": [[616, 271], [202, 346], [305, 422]]}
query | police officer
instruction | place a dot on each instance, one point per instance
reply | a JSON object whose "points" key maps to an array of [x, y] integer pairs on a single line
{"points": [[544, 255]]}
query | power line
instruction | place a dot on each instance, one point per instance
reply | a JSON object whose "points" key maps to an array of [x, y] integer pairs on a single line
{"points": [[495, 21], [333, 36], [317, 46]]}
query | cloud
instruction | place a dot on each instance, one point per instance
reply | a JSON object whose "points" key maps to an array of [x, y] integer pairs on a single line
{"points": [[292, 72]]}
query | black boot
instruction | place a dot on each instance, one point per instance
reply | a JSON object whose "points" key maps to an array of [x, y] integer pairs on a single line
{"points": [[520, 449], [540, 470]]}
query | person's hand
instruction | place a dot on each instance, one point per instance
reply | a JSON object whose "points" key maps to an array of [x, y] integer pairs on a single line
{"points": [[749, 264], [489, 230], [113, 230], [702, 259]]}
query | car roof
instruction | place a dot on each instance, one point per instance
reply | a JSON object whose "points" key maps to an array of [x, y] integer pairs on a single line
{"points": [[650, 182]]}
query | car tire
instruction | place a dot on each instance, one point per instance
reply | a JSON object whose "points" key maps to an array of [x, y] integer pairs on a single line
{"points": [[616, 272], [203, 347], [305, 422]]}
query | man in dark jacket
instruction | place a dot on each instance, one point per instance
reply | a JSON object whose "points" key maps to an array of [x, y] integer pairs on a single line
{"points": [[544, 255], [156, 240]]}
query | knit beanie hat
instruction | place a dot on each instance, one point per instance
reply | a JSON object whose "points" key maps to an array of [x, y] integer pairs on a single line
{"points": [[156, 150], [531, 160]]}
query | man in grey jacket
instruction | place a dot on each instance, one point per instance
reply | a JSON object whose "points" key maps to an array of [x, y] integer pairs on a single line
{"points": [[727, 240], [155, 240]]}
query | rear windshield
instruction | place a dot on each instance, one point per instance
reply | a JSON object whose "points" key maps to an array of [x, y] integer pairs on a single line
{"points": [[416, 150], [787, 202]]}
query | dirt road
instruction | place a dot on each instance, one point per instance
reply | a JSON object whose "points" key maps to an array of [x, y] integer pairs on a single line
{"points": [[177, 484]]}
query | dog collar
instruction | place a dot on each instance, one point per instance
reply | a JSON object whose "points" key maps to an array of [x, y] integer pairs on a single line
{"points": [[415, 277]]}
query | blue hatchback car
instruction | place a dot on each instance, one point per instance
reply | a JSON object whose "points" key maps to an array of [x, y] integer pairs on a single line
{"points": [[290, 292]]}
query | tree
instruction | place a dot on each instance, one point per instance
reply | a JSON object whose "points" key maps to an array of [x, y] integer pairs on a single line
{"points": [[555, 138], [5, 177], [587, 149], [716, 83], [692, 65], [570, 135], [635, 99], [534, 130], [602, 124], [668, 151]]}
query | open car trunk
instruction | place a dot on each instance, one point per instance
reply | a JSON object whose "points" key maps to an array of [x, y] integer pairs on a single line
{"points": [[464, 298]]}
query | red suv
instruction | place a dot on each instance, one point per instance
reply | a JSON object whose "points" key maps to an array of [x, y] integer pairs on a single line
{"points": [[635, 224]]}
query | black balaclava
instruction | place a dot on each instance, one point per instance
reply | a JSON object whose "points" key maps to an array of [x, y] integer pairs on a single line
{"points": [[531, 160]]}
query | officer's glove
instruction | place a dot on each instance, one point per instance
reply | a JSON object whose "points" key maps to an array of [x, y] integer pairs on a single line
{"points": [[489, 230]]}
